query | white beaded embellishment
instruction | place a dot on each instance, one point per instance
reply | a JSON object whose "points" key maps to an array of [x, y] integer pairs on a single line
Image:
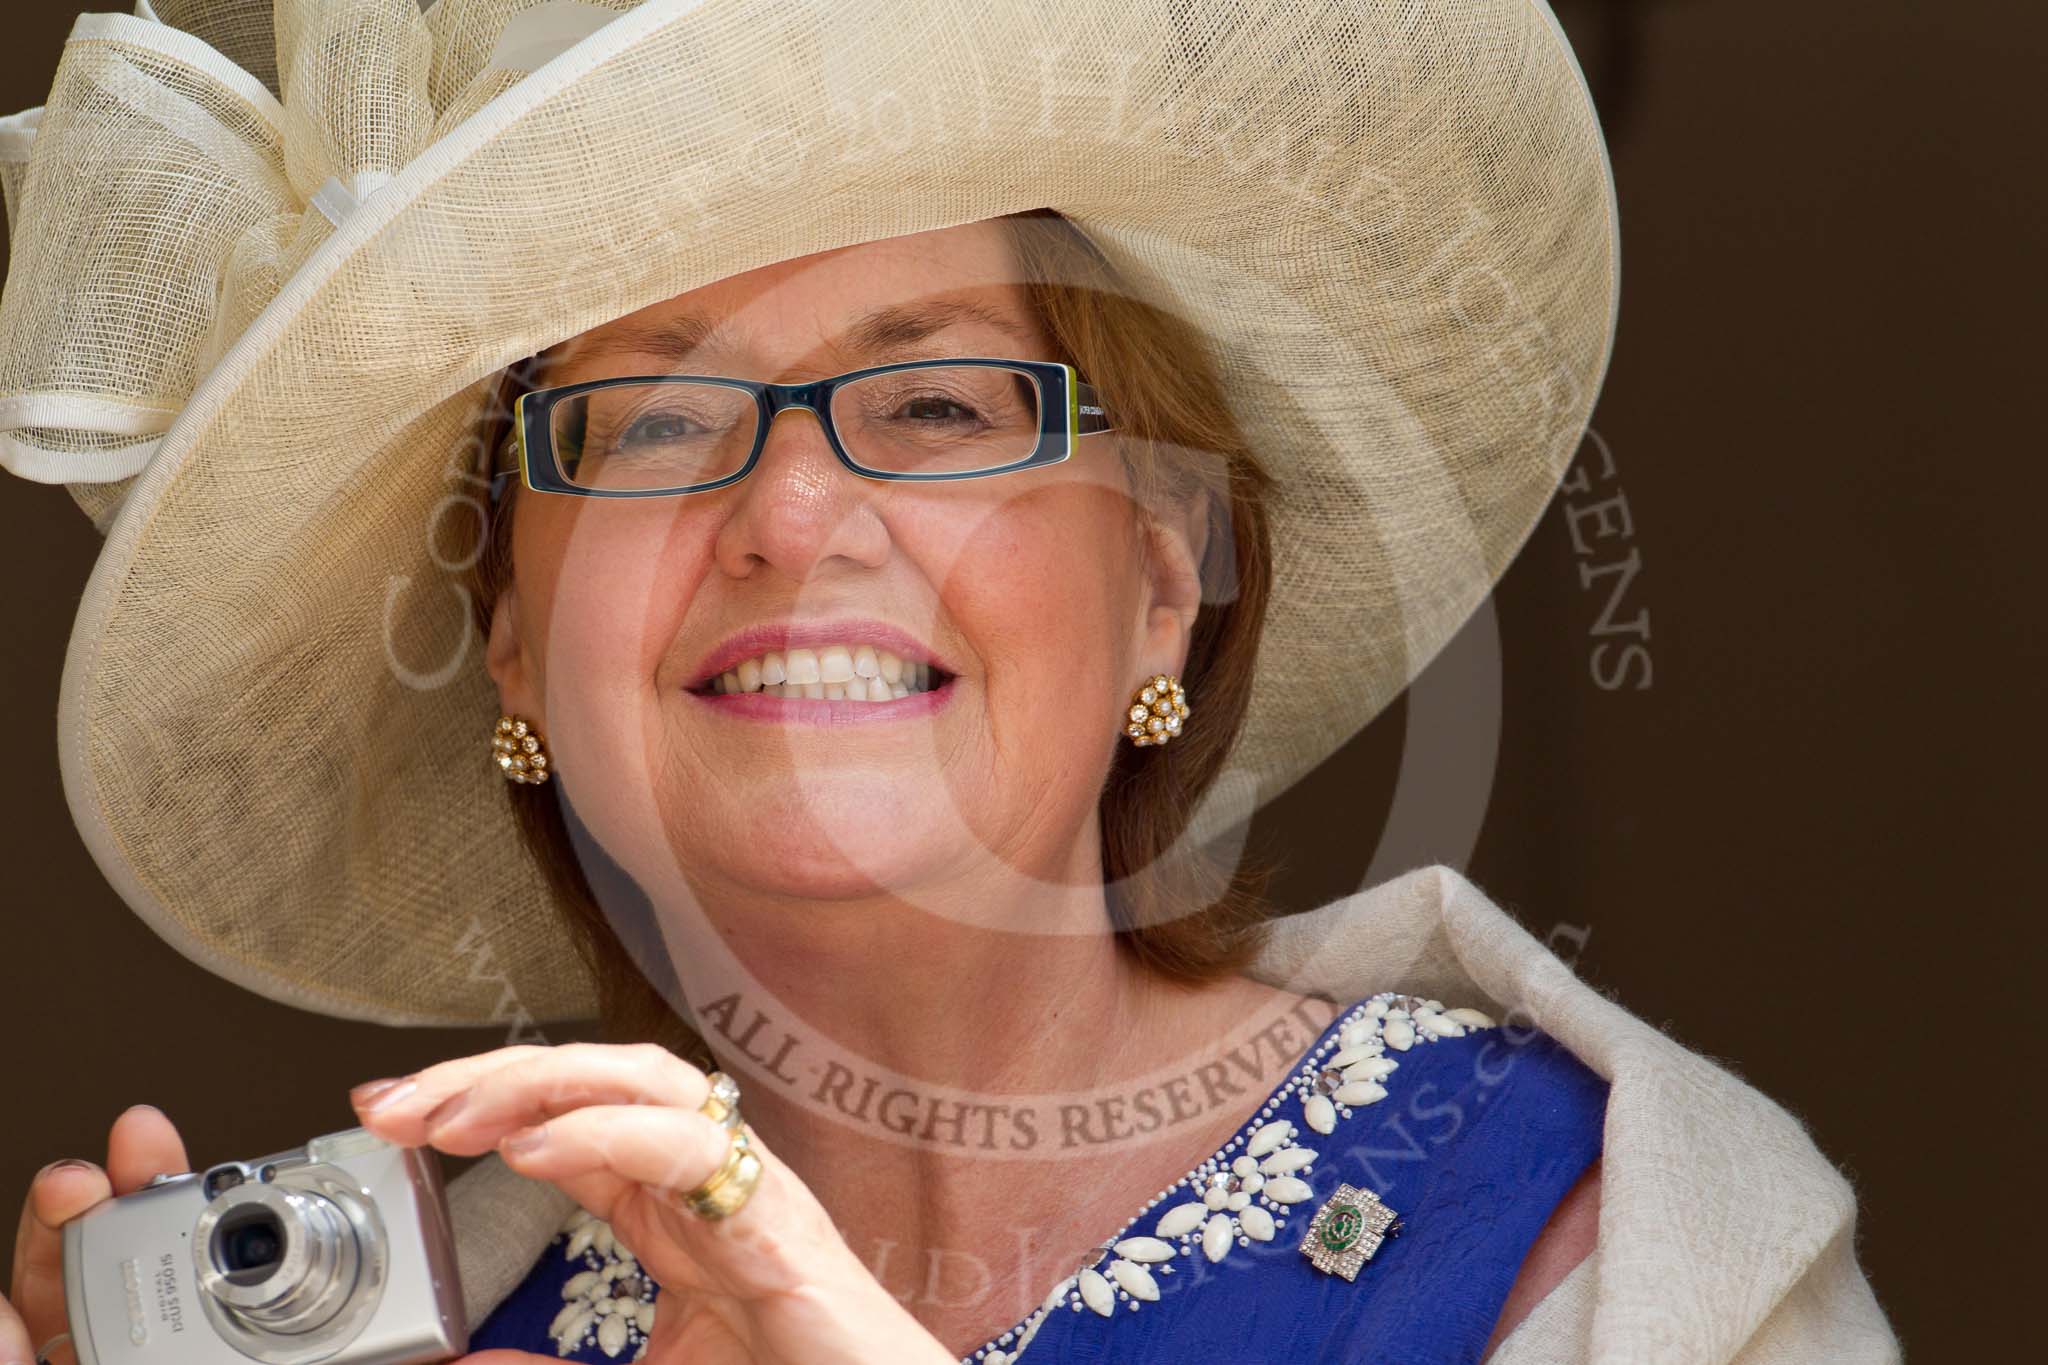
{"points": [[609, 1297], [1246, 1191]]}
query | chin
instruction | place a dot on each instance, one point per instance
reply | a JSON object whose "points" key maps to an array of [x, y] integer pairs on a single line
{"points": [[799, 847]]}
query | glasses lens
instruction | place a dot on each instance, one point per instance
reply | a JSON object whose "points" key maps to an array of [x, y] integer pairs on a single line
{"points": [[939, 419], [670, 434]]}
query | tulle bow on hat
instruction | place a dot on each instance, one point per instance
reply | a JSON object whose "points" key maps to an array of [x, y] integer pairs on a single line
{"points": [[188, 159]]}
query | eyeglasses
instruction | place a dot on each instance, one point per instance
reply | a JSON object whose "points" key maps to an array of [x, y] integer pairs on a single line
{"points": [[646, 436]]}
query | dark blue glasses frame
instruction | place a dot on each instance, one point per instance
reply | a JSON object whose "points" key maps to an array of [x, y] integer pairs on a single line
{"points": [[1068, 408]]}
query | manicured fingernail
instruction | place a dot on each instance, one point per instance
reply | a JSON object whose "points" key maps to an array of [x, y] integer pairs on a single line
{"points": [[377, 1094], [446, 1109], [526, 1139]]}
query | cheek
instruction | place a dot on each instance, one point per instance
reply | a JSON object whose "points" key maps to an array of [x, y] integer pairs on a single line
{"points": [[1046, 589], [613, 594], [616, 586]]}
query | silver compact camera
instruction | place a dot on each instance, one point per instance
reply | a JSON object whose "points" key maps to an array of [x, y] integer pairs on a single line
{"points": [[337, 1251]]}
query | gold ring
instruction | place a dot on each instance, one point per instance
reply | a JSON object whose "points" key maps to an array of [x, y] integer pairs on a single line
{"points": [[730, 1186]]}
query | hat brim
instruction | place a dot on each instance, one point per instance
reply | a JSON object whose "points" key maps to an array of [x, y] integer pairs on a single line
{"points": [[1398, 233]]}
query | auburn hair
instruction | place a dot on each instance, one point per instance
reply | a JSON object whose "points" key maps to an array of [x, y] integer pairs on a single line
{"points": [[1175, 908]]}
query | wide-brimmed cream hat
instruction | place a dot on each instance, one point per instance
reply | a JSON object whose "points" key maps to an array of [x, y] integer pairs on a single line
{"points": [[266, 261]]}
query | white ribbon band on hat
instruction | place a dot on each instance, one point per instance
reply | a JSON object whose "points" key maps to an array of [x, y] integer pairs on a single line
{"points": [[337, 201]]}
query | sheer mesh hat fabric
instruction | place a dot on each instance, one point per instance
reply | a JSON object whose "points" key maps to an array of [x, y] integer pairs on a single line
{"points": [[267, 260]]}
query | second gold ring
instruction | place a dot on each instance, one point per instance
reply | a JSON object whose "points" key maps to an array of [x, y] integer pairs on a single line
{"points": [[728, 1188]]}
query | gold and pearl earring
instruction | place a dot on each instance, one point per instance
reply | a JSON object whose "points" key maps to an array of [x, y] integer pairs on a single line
{"points": [[519, 751], [1156, 711]]}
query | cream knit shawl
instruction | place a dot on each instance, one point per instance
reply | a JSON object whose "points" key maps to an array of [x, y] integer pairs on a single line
{"points": [[1725, 1234]]}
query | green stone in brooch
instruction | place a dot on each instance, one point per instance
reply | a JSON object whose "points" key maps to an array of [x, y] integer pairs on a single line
{"points": [[1347, 1230]]}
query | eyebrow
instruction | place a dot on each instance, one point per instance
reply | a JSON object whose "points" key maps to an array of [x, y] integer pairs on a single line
{"points": [[889, 327]]}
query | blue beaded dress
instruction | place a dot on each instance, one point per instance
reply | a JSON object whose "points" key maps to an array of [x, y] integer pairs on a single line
{"points": [[1465, 1132]]}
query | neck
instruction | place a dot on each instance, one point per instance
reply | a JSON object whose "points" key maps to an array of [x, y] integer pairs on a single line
{"points": [[970, 1101]]}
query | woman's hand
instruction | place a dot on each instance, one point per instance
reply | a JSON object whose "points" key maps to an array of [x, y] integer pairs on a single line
{"points": [[617, 1126], [142, 1143]]}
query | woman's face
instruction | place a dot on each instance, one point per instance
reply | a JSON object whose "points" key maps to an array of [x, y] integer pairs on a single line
{"points": [[1030, 593]]}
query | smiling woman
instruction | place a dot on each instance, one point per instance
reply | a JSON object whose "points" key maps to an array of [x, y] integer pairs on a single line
{"points": [[895, 489], [704, 653], [1178, 453]]}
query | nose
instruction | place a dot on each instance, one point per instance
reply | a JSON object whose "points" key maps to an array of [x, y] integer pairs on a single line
{"points": [[800, 507]]}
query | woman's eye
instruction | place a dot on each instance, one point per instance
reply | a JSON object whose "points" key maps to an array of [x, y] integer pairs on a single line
{"points": [[936, 407], [666, 427]]}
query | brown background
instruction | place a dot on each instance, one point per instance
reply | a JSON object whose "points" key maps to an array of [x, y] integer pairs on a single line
{"points": [[1799, 849]]}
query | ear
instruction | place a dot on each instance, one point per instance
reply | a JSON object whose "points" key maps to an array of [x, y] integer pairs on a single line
{"points": [[1177, 541], [506, 660]]}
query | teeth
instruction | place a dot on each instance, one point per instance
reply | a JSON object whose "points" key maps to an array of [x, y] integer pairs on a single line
{"points": [[830, 673]]}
